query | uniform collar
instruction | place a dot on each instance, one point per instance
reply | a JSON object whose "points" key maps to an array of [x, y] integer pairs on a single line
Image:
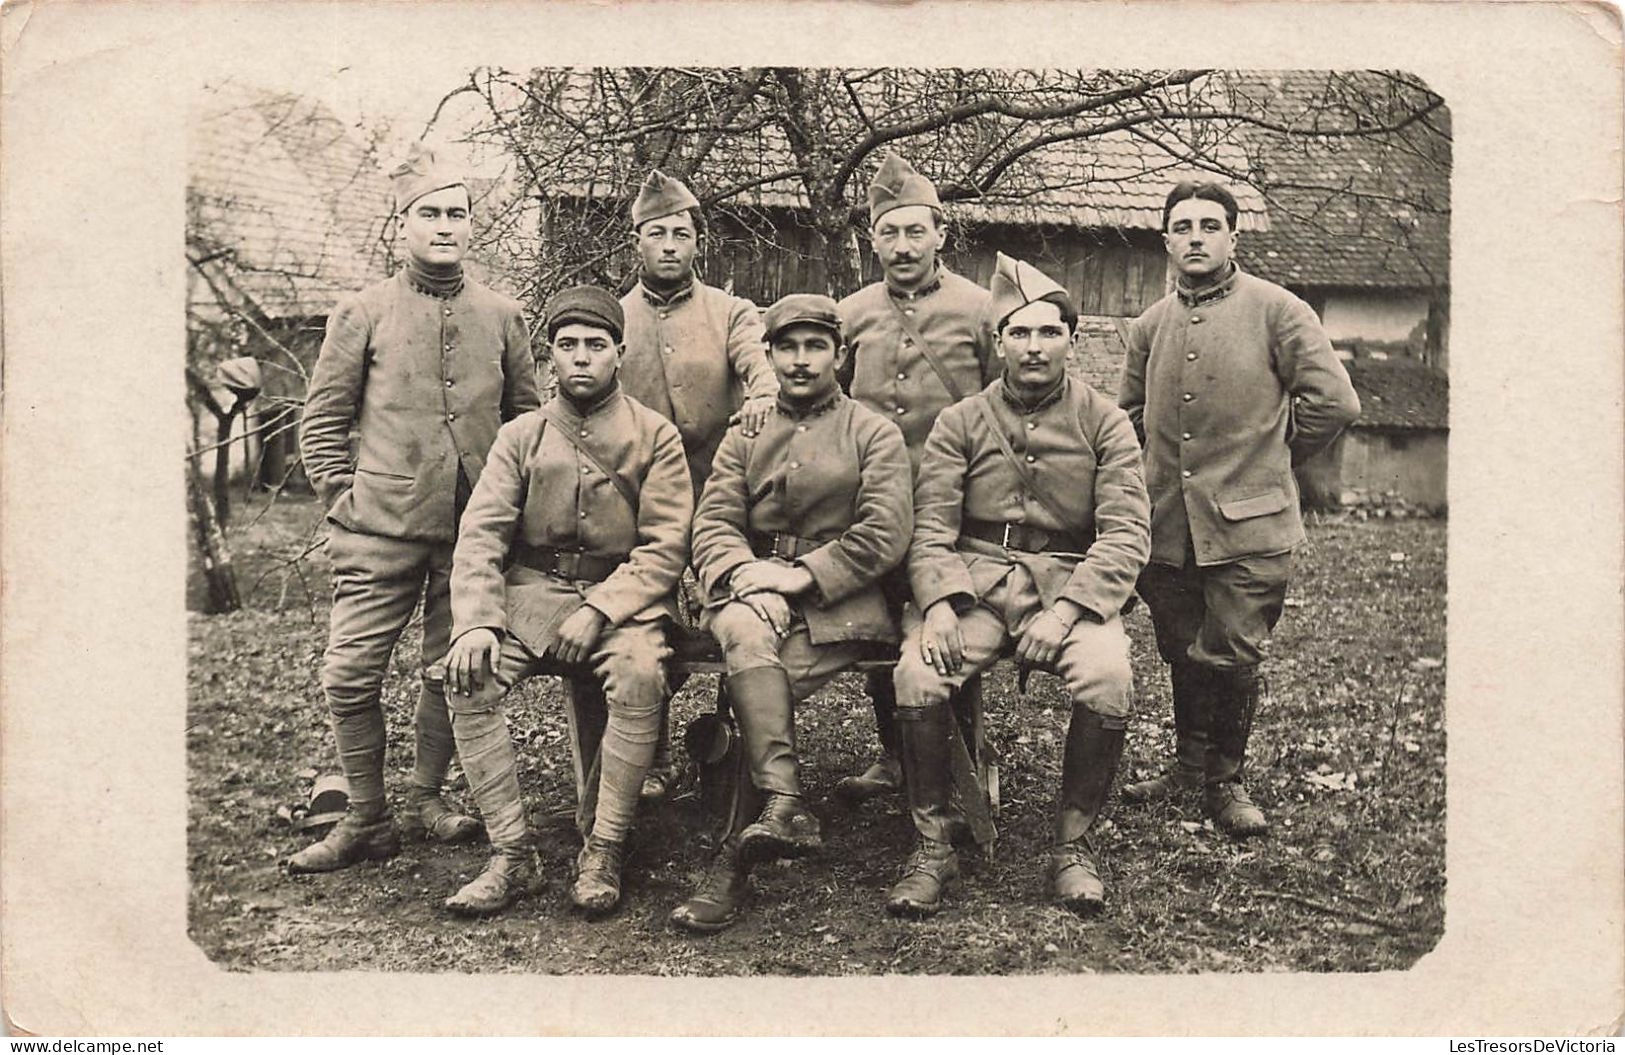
{"points": [[443, 283], [675, 297], [1207, 294], [797, 412], [575, 410], [1048, 399], [908, 295]]}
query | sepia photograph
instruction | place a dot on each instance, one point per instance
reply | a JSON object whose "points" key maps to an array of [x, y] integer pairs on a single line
{"points": [[1222, 560]]}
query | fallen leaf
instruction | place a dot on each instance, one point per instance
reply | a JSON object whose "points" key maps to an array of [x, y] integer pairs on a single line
{"points": [[1397, 558], [1426, 663]]}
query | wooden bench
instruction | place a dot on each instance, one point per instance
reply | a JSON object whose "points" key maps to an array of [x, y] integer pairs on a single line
{"points": [[733, 801]]}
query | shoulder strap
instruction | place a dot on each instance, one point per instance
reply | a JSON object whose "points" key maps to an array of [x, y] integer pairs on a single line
{"points": [[913, 331], [615, 478], [1021, 470]]}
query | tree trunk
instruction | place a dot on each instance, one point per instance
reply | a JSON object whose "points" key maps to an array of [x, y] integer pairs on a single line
{"points": [[222, 468], [211, 543]]}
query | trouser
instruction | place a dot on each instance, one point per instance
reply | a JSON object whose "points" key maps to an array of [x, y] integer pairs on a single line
{"points": [[749, 643], [377, 582], [631, 661]]}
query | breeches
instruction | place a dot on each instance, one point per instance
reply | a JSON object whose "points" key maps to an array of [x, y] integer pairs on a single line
{"points": [[377, 582], [1217, 616], [748, 642], [1093, 661], [629, 658]]}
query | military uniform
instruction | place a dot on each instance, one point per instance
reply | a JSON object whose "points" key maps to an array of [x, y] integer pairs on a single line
{"points": [[423, 368], [1004, 538], [582, 505], [1228, 387]]}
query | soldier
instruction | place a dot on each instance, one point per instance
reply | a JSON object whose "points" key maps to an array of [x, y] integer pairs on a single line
{"points": [[1032, 523], [919, 342], [693, 354], [424, 366], [794, 531], [587, 503], [1230, 381]]}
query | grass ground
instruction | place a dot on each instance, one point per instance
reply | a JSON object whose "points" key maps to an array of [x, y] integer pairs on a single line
{"points": [[1348, 758]]}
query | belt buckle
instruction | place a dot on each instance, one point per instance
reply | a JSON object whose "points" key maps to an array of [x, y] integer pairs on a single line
{"points": [[566, 564], [779, 547], [1005, 539]]}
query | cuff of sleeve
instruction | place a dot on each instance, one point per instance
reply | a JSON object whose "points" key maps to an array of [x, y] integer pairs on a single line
{"points": [[831, 580], [715, 577], [1097, 606], [929, 589]]}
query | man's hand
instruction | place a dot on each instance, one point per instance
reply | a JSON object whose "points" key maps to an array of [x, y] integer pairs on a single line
{"points": [[752, 416], [941, 643], [1041, 642], [788, 579], [472, 658], [578, 634], [772, 608]]}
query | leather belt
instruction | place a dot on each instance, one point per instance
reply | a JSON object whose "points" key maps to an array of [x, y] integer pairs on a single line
{"points": [[781, 544], [1021, 537], [568, 563]]}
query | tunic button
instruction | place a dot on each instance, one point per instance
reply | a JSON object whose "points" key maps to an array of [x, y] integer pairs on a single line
{"points": [[795, 465], [901, 410], [584, 470], [1190, 355], [583, 432], [1032, 425], [451, 417], [908, 311], [448, 311], [583, 514], [1196, 318], [448, 347], [662, 315], [1032, 458], [1184, 472], [448, 382], [1184, 435], [667, 349], [1187, 397], [801, 428], [902, 377]]}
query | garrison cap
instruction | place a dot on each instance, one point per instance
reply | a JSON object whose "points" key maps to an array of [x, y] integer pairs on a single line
{"points": [[585, 304], [814, 308], [661, 195], [1015, 285], [423, 172], [896, 184]]}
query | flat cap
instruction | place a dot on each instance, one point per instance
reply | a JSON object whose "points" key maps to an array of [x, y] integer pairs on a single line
{"points": [[814, 308], [661, 195], [585, 304], [895, 185], [1015, 285], [422, 172]]}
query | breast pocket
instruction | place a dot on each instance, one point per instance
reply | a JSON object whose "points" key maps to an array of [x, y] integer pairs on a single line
{"points": [[1243, 505]]}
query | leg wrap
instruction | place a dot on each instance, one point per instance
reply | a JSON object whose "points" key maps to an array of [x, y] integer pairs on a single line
{"points": [[486, 749]]}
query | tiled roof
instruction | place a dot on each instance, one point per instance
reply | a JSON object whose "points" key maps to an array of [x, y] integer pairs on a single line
{"points": [[286, 195], [1400, 394], [1365, 212]]}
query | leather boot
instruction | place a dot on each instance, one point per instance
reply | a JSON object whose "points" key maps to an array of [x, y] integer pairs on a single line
{"points": [[1192, 691], [934, 863], [1235, 700], [597, 887], [717, 902], [428, 817], [762, 703], [511, 874], [1094, 745], [885, 774], [353, 839]]}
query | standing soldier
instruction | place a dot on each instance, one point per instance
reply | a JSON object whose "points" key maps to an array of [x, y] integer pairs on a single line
{"points": [[919, 343], [587, 504], [1032, 523], [693, 354], [424, 367], [795, 530], [1230, 382]]}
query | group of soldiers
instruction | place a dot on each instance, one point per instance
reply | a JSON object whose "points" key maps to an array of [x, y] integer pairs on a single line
{"points": [[912, 467]]}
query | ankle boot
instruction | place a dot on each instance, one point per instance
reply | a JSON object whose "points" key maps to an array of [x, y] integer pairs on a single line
{"points": [[597, 887], [1094, 745], [762, 703], [428, 817], [1235, 700], [717, 902], [1192, 689], [664, 775], [885, 774], [510, 875], [353, 839], [925, 733]]}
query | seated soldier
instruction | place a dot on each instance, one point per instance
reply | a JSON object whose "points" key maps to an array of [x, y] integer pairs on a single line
{"points": [[794, 531], [586, 502], [1032, 523]]}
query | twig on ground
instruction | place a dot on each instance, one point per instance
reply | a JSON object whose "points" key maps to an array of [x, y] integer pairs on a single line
{"points": [[1333, 910]]}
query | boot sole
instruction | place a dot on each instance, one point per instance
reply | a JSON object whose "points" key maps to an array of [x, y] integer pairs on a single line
{"points": [[759, 847], [913, 909], [695, 926], [1087, 907], [380, 854]]}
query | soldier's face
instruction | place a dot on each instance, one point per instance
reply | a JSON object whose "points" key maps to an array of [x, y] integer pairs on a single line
{"points": [[585, 359], [906, 241], [437, 227], [667, 245], [806, 356], [1034, 342], [1199, 239]]}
